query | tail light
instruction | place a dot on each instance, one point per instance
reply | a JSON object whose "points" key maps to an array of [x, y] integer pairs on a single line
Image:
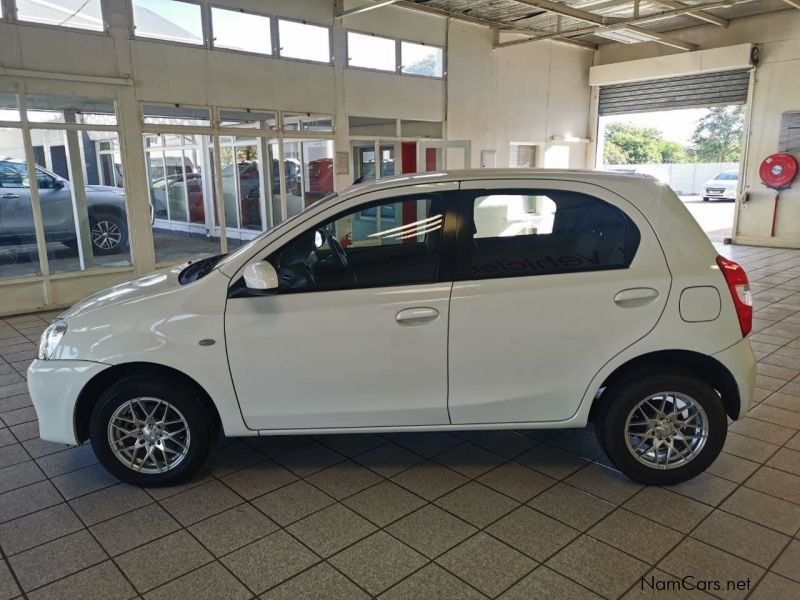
{"points": [[739, 286]]}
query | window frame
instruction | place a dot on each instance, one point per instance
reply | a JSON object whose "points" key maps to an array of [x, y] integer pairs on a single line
{"points": [[272, 31], [441, 77], [205, 25], [278, 46], [15, 20], [447, 245], [395, 70], [465, 230]]}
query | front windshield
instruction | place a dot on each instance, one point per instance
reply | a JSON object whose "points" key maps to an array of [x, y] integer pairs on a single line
{"points": [[287, 223], [729, 176]]}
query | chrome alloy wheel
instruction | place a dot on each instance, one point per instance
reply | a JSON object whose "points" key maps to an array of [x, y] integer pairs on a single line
{"points": [[106, 235], [149, 435], [666, 430]]}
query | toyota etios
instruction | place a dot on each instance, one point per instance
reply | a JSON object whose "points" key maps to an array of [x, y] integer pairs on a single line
{"points": [[439, 301]]}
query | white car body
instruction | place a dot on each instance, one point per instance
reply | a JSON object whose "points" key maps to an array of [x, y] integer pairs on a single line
{"points": [[515, 352], [722, 187]]}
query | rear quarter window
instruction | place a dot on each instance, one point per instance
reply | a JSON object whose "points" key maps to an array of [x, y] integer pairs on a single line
{"points": [[526, 233]]}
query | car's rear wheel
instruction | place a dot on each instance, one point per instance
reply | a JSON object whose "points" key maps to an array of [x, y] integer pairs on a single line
{"points": [[151, 431], [109, 234], [661, 428]]}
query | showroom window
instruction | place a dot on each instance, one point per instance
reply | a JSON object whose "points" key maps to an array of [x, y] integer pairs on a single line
{"points": [[294, 121], [421, 59], [541, 233], [199, 157], [394, 242], [170, 20], [371, 52], [74, 147], [304, 41], [239, 30], [81, 14], [310, 172]]}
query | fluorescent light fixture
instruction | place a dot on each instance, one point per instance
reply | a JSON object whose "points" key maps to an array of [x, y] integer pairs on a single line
{"points": [[626, 35], [570, 139]]}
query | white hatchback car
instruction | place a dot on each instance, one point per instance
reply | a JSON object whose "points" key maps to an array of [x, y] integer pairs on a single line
{"points": [[483, 299]]}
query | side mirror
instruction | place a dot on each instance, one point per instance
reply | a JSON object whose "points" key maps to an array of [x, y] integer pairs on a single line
{"points": [[58, 184], [260, 276]]}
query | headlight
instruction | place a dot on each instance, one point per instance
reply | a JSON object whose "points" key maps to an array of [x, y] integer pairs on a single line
{"points": [[50, 339]]}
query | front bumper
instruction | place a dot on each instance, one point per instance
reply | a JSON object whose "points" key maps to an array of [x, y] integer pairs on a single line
{"points": [[741, 362], [54, 386]]}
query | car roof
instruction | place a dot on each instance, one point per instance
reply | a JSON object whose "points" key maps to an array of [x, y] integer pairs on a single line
{"points": [[583, 175]]}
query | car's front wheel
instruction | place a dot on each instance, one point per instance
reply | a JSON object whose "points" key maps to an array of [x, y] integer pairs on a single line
{"points": [[151, 431], [661, 428]]}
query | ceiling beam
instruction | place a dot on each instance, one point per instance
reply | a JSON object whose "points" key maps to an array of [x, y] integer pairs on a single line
{"points": [[567, 11], [497, 26], [665, 39], [626, 23], [697, 14], [368, 7], [563, 40], [795, 3]]}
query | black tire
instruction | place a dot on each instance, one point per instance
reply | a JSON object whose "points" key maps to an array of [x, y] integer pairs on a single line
{"points": [[706, 198], [201, 428], [117, 224], [622, 397]]}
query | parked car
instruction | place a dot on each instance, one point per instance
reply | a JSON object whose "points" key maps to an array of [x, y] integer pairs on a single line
{"points": [[105, 205], [722, 187], [494, 299]]}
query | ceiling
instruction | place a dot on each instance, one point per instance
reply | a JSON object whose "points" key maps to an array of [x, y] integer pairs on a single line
{"points": [[588, 23]]}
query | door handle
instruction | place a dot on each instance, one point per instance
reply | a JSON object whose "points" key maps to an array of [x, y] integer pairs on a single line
{"points": [[10, 196], [417, 316], [634, 297]]}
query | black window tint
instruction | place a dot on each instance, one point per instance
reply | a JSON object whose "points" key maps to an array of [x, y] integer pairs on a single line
{"points": [[389, 243], [540, 233]]}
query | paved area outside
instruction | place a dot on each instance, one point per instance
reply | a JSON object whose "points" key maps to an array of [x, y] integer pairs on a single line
{"points": [[715, 216], [516, 515]]}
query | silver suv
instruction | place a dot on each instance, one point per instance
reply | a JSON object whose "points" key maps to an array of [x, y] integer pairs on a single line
{"points": [[105, 206]]}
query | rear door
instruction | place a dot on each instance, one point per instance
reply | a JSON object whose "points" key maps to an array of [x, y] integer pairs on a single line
{"points": [[553, 279]]}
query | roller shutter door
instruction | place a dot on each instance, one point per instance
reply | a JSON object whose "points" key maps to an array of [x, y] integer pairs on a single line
{"points": [[688, 91]]}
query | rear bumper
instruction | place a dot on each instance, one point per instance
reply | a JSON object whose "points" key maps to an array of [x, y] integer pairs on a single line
{"points": [[741, 362], [54, 386]]}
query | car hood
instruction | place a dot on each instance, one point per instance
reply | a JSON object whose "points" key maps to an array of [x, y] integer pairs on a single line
{"points": [[133, 291], [721, 183]]}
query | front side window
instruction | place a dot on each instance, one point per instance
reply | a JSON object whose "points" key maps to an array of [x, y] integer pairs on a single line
{"points": [[545, 232], [394, 242]]}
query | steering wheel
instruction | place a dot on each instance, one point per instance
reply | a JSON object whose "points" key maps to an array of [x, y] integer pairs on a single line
{"points": [[338, 251]]}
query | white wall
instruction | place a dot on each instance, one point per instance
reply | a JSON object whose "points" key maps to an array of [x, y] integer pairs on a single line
{"points": [[527, 93], [775, 91]]}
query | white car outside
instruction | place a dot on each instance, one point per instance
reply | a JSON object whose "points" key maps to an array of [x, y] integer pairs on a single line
{"points": [[506, 299], [722, 187]]}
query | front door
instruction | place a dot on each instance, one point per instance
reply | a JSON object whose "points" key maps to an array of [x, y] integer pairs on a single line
{"points": [[553, 279], [356, 334]]}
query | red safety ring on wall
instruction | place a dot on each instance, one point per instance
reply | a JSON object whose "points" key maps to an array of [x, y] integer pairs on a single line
{"points": [[778, 171]]}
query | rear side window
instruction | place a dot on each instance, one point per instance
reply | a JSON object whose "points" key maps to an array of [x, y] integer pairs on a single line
{"points": [[545, 232]]}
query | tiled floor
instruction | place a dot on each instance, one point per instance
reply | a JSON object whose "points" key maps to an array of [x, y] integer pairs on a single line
{"points": [[517, 515]]}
